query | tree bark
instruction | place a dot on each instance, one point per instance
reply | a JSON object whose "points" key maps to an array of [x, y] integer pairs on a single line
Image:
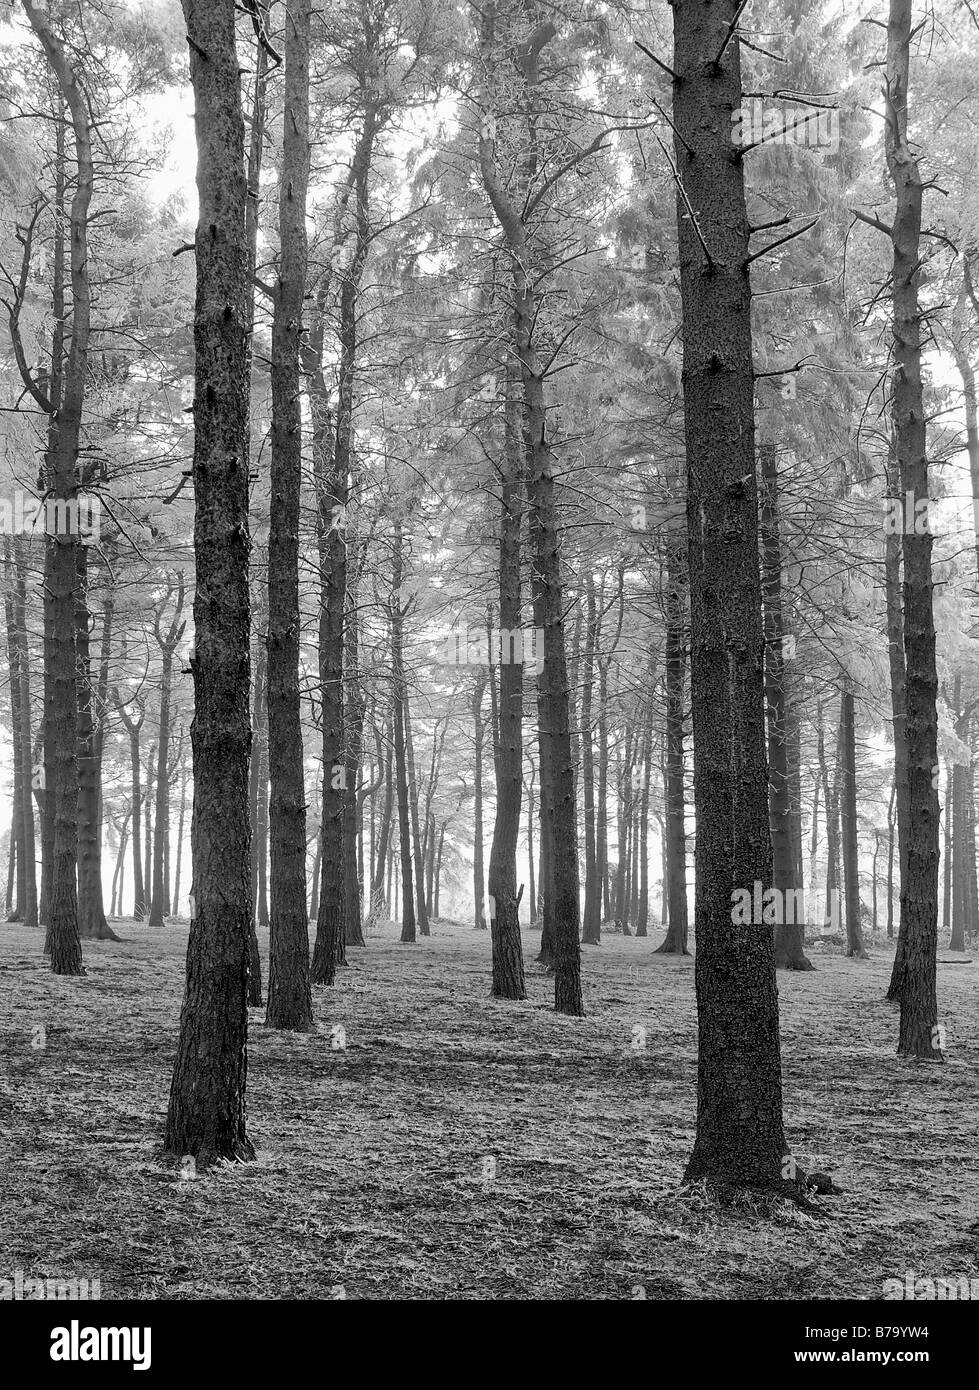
{"points": [[401, 773], [206, 1115], [591, 921], [92, 924], [916, 985], [61, 482], [740, 1139], [675, 867], [290, 1002], [848, 825], [479, 876], [504, 899], [789, 935], [168, 646]]}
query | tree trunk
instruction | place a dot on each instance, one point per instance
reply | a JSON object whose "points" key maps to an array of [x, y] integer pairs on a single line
{"points": [[740, 1139], [401, 772], [531, 876], [65, 409], [438, 870], [290, 1002], [257, 803], [353, 838], [168, 646], [848, 823], [26, 741], [895, 647], [133, 727], [180, 843], [92, 924], [916, 984], [504, 899], [642, 911], [675, 865], [789, 934], [479, 877], [591, 921], [206, 1115], [890, 861], [21, 784], [554, 724]]}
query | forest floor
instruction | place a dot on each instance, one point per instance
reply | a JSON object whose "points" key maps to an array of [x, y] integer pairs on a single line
{"points": [[462, 1147]]}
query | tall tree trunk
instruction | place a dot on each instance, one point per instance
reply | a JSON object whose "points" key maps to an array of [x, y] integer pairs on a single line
{"points": [[257, 809], [290, 1002], [332, 465], [916, 986], [92, 924], [353, 837], [848, 825], [400, 761], [740, 1139], [554, 731], [504, 899], [26, 740], [133, 728], [206, 1114], [21, 784], [180, 842], [531, 877], [642, 911], [831, 802], [789, 935], [947, 850], [895, 647], [61, 483], [419, 862], [168, 646], [890, 861], [438, 871], [675, 867], [479, 876], [384, 833], [591, 921], [115, 906], [148, 821]]}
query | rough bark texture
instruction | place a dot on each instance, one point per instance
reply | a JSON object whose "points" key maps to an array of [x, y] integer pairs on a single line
{"points": [[258, 808], [133, 728], [508, 969], [92, 924], [60, 570], [290, 1002], [206, 1116], [479, 873], [167, 644], [895, 649], [675, 886], [591, 918], [400, 761], [848, 825], [916, 986], [740, 1138], [527, 253], [789, 936]]}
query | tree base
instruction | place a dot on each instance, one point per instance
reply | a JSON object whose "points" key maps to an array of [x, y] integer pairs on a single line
{"points": [[794, 963]]}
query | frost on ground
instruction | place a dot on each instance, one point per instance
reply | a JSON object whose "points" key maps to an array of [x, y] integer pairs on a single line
{"points": [[442, 1144]]}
